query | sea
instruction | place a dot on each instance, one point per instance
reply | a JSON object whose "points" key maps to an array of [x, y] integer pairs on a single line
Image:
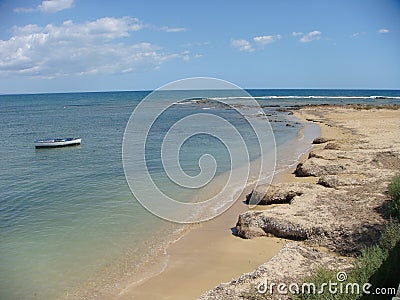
{"points": [[69, 221]]}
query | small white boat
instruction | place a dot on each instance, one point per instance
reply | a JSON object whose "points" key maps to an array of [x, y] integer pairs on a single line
{"points": [[50, 143]]}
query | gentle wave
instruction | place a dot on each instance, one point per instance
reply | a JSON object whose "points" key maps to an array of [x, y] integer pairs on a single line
{"points": [[309, 97]]}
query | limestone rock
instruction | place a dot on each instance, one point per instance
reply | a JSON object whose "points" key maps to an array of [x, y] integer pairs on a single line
{"points": [[388, 159], [322, 216], [277, 194], [328, 154], [333, 146], [335, 181], [252, 225], [317, 167], [321, 140]]}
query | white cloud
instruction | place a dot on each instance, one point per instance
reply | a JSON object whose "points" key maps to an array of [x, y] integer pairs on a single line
{"points": [[78, 49], [383, 30], [257, 43], [266, 39], [242, 45], [187, 56], [48, 6], [311, 36], [173, 29], [294, 33], [196, 44]]}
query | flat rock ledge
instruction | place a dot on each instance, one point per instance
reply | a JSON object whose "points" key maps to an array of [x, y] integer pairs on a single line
{"points": [[300, 261], [277, 194], [344, 211], [321, 140]]}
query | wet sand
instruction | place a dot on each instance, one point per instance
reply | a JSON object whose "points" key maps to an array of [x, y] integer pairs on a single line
{"points": [[205, 256]]}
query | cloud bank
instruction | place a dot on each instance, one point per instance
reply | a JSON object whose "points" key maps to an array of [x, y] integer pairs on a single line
{"points": [[48, 6], [97, 47]]}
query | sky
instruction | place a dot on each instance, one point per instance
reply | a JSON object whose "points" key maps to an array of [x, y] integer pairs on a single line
{"points": [[90, 45]]}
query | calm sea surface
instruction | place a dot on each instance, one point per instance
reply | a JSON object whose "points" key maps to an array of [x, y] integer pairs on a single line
{"points": [[67, 214]]}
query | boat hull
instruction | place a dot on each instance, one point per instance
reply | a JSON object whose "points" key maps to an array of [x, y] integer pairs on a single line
{"points": [[55, 143]]}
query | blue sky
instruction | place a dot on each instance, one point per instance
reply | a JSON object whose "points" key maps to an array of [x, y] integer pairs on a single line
{"points": [[91, 45]]}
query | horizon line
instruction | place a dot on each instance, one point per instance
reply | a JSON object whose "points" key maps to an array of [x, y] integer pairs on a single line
{"points": [[245, 89]]}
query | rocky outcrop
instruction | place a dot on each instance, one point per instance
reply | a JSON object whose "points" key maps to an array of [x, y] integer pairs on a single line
{"points": [[344, 211], [387, 159], [300, 261], [321, 140], [342, 180], [257, 224], [318, 215], [333, 146], [317, 167], [276, 194]]}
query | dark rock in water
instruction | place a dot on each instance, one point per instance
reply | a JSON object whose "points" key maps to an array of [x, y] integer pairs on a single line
{"points": [[289, 125], [332, 146], [321, 140], [270, 105]]}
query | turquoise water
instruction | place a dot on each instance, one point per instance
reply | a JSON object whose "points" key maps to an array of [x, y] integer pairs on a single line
{"points": [[68, 213]]}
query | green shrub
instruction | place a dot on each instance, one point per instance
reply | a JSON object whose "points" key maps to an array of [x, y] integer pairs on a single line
{"points": [[394, 193], [390, 236]]}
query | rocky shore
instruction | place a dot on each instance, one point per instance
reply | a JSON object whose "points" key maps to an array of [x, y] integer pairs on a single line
{"points": [[332, 206]]}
